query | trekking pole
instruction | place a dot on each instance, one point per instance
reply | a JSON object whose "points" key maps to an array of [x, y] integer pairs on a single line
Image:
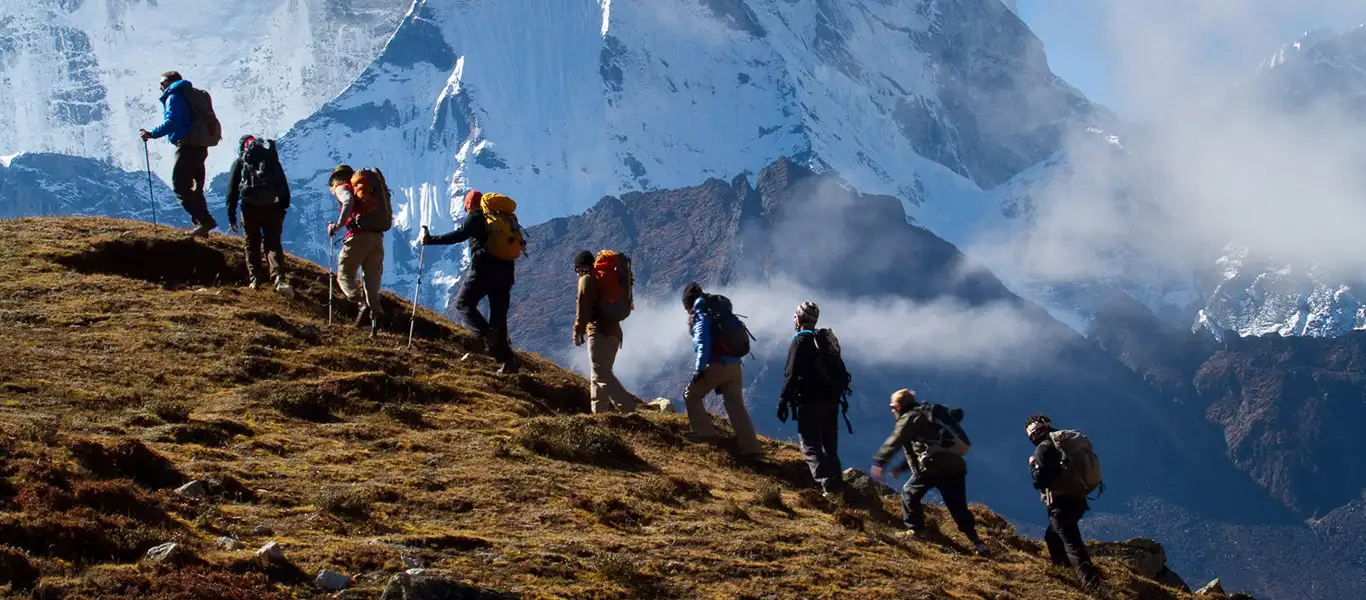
{"points": [[146, 153], [421, 258], [331, 266]]}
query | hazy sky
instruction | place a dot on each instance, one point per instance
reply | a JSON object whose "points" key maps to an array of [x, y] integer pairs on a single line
{"points": [[1076, 34]]}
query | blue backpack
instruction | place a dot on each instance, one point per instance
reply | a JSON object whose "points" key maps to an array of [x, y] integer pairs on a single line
{"points": [[731, 335]]}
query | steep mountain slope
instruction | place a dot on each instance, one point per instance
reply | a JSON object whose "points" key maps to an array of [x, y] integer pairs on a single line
{"points": [[1287, 404], [81, 76], [56, 184], [928, 101], [139, 363]]}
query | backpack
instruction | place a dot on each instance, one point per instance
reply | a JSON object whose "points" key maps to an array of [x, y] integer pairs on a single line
{"points": [[1080, 465], [373, 208], [261, 172], [506, 238], [615, 282], [730, 333], [951, 438], [205, 130], [834, 374]]}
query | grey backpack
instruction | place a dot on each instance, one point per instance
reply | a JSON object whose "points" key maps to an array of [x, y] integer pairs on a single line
{"points": [[1080, 465]]}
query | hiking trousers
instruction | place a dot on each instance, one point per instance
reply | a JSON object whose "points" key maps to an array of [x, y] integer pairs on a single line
{"points": [[187, 180], [953, 488], [727, 379], [1065, 544], [493, 279], [818, 430], [261, 226], [363, 251], [607, 392]]}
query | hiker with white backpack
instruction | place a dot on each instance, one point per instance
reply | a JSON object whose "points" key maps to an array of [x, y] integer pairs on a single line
{"points": [[1065, 470], [933, 440]]}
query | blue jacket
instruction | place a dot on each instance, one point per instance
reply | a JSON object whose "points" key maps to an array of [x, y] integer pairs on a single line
{"points": [[707, 353], [177, 112]]}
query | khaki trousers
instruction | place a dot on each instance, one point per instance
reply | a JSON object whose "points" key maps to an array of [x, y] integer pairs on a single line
{"points": [[607, 392], [728, 379], [362, 251]]}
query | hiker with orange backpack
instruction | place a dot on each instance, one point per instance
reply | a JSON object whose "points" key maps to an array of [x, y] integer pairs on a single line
{"points": [[366, 213], [604, 300], [496, 242]]}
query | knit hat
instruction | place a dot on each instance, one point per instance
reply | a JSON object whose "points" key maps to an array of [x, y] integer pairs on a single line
{"points": [[808, 313], [691, 293], [472, 200], [583, 260]]}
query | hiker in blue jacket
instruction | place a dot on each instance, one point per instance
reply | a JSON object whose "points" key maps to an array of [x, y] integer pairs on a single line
{"points": [[188, 175], [715, 371]]}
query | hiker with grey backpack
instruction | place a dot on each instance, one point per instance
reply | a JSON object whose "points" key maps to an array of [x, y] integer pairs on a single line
{"points": [[258, 180], [190, 124], [1065, 470], [815, 391], [720, 340], [933, 440]]}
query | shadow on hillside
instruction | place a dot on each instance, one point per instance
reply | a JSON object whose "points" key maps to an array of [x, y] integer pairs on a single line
{"points": [[169, 263]]}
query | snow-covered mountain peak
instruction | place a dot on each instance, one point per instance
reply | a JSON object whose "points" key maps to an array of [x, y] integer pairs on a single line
{"points": [[82, 76]]}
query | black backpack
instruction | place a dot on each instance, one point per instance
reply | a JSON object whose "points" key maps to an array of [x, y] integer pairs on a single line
{"points": [[730, 333], [261, 172], [834, 375]]}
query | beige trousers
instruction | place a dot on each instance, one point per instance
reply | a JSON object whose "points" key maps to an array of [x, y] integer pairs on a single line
{"points": [[728, 379], [607, 392], [362, 251]]}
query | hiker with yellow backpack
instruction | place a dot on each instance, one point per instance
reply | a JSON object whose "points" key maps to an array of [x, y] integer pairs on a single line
{"points": [[366, 213], [604, 301], [496, 242]]}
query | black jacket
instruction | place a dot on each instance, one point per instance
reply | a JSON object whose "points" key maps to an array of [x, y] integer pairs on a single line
{"points": [[1047, 464], [474, 231], [803, 380]]}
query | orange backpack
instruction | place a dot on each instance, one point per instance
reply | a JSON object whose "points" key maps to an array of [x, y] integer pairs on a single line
{"points": [[615, 283], [373, 209]]}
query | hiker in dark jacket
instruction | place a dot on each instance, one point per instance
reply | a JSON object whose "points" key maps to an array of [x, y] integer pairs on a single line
{"points": [[604, 338], [258, 180], [362, 250], [1066, 547], [715, 370], [488, 277], [814, 402], [933, 469], [187, 177]]}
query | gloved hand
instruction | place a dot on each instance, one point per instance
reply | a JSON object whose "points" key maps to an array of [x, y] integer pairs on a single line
{"points": [[578, 339], [232, 224], [782, 412], [696, 377]]}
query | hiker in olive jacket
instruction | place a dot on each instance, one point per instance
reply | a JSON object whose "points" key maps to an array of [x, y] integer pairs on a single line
{"points": [[944, 471], [1066, 547], [814, 401], [604, 338], [488, 277]]}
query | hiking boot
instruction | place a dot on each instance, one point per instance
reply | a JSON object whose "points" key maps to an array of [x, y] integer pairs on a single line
{"points": [[284, 288], [981, 550], [912, 534], [1090, 577], [203, 229], [362, 316], [255, 284], [511, 367]]}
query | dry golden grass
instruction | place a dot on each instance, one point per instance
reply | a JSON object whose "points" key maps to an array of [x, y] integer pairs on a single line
{"points": [[136, 361]]}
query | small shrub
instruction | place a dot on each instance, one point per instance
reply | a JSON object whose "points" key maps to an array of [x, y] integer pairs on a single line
{"points": [[733, 511], [40, 431], [119, 498], [813, 499], [671, 490], [405, 414], [307, 402], [348, 502], [577, 439], [169, 411], [614, 512], [502, 449], [849, 519], [770, 495], [614, 567]]}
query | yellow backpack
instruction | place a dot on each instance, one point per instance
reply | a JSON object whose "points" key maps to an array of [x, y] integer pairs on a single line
{"points": [[506, 238]]}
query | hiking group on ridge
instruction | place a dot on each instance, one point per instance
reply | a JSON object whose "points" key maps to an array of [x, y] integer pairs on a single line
{"points": [[816, 381]]}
